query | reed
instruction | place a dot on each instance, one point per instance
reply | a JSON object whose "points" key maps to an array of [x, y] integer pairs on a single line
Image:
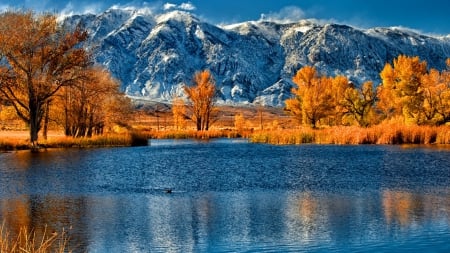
{"points": [[284, 137], [29, 242], [192, 134], [108, 140], [344, 135]]}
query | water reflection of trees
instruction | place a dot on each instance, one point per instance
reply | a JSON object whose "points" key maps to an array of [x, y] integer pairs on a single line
{"points": [[405, 208], [312, 217], [231, 221], [47, 216]]}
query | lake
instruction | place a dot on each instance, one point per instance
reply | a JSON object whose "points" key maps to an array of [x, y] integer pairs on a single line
{"points": [[228, 195]]}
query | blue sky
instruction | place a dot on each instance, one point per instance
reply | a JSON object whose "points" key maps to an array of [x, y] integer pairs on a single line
{"points": [[431, 16]]}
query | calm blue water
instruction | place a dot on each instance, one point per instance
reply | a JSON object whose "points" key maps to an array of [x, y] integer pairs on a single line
{"points": [[232, 196]]}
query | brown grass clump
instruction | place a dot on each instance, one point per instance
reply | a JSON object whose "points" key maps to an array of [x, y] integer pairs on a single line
{"points": [[29, 242]]}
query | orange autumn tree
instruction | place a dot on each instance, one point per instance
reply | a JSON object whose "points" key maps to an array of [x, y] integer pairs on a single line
{"points": [[436, 96], [179, 113], [358, 103], [202, 95], [37, 58], [91, 104], [401, 93], [340, 84], [313, 98]]}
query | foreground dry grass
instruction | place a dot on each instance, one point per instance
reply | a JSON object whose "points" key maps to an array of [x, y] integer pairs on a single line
{"points": [[380, 134], [29, 242]]}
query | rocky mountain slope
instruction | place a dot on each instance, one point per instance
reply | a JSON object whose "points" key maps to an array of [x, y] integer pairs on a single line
{"points": [[154, 55]]}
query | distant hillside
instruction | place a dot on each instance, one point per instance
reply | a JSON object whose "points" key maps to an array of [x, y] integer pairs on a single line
{"points": [[154, 55]]}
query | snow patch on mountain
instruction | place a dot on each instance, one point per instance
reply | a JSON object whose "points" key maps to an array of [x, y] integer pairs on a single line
{"points": [[155, 54]]}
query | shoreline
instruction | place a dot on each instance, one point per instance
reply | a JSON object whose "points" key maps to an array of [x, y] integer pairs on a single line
{"points": [[18, 140], [387, 134]]}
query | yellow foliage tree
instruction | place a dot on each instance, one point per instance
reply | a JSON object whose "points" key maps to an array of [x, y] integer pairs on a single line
{"points": [[358, 103], [400, 93], [436, 94], [239, 122], [92, 104], [339, 86], [313, 98], [179, 113], [202, 95]]}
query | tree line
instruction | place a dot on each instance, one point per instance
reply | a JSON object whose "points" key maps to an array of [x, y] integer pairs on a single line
{"points": [[409, 92], [47, 74]]}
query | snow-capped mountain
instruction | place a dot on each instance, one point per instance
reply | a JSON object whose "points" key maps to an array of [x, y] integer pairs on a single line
{"points": [[154, 55]]}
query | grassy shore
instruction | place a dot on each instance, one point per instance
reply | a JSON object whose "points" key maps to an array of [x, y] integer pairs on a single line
{"points": [[193, 134], [340, 135], [380, 134], [20, 142]]}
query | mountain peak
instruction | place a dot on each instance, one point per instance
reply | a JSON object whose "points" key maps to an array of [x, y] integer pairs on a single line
{"points": [[155, 54], [177, 15]]}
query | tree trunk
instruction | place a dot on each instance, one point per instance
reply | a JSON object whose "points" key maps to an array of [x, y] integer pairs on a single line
{"points": [[207, 116], [90, 125], [35, 121], [46, 119], [199, 123]]}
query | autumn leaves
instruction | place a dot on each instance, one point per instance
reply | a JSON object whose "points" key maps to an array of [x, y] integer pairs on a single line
{"points": [[202, 95], [418, 95], [46, 74], [409, 92]]}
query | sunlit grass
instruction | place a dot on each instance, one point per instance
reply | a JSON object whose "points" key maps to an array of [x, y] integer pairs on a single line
{"points": [[29, 242], [380, 134], [193, 134], [284, 136], [107, 140]]}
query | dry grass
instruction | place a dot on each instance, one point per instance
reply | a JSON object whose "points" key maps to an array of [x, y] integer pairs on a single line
{"points": [[21, 142], [380, 134], [29, 242], [284, 136], [272, 127], [193, 134]]}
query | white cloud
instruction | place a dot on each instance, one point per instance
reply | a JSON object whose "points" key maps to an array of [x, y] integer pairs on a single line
{"points": [[187, 6], [285, 15], [67, 11], [168, 6], [184, 6], [92, 8]]}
